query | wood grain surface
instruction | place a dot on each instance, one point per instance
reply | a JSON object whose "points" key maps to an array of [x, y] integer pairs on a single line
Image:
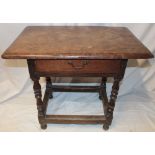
{"points": [[78, 66], [72, 42]]}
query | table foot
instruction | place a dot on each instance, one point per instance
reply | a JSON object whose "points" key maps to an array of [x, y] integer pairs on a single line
{"points": [[50, 96], [43, 126], [106, 127], [100, 97]]}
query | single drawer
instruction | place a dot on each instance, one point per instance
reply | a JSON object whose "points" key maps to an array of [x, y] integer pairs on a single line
{"points": [[77, 66]]}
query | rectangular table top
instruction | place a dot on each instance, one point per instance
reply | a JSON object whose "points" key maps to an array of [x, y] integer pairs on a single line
{"points": [[76, 42]]}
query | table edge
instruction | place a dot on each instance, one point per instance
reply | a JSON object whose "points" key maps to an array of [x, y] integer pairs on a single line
{"points": [[105, 56]]}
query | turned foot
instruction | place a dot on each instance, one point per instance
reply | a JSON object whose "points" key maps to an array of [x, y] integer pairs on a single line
{"points": [[50, 96], [106, 127], [100, 97], [43, 126]]}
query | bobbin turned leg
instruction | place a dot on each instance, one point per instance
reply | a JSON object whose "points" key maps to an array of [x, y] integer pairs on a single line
{"points": [[37, 91], [111, 103], [40, 106], [102, 87], [103, 93], [49, 86]]}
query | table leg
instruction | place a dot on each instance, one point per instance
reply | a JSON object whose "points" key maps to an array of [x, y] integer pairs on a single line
{"points": [[102, 87], [103, 93], [40, 106], [111, 103], [49, 86]]}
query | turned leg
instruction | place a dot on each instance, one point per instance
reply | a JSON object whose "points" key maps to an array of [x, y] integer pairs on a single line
{"points": [[49, 86], [40, 106], [102, 87], [111, 103], [103, 93]]}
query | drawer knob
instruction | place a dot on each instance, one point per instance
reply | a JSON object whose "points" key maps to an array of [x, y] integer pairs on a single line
{"points": [[78, 65]]}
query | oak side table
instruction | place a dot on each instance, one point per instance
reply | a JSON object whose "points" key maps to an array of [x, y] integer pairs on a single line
{"points": [[76, 51]]}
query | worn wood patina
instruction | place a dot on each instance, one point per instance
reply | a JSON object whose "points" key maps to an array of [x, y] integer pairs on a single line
{"points": [[76, 51]]}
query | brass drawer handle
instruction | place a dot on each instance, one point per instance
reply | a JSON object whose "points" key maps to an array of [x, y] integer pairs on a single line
{"points": [[80, 66]]}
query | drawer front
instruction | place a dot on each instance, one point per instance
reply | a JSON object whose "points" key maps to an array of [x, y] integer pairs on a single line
{"points": [[78, 66]]}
